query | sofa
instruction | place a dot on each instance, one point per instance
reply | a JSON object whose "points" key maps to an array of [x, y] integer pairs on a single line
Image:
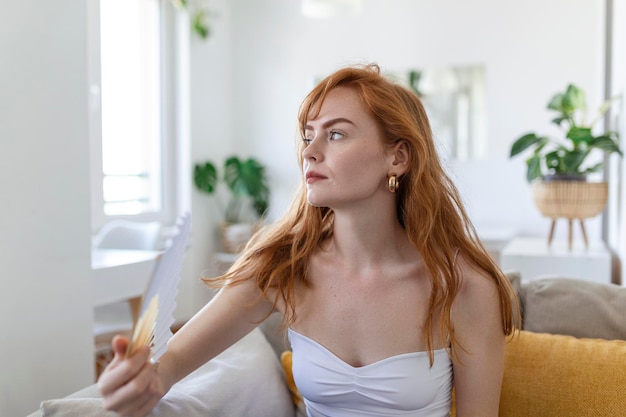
{"points": [[569, 360]]}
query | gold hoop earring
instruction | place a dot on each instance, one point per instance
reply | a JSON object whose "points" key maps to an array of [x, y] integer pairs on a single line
{"points": [[393, 183]]}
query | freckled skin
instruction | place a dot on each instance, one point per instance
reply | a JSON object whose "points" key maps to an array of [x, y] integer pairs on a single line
{"points": [[344, 147]]}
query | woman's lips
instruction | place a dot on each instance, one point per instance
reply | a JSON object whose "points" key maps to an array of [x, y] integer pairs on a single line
{"points": [[312, 177]]}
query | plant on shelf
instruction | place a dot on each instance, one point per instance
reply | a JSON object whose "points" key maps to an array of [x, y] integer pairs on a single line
{"points": [[565, 158], [247, 183], [557, 168], [245, 180]]}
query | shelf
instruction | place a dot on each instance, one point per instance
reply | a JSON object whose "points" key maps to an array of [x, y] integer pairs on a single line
{"points": [[533, 258]]}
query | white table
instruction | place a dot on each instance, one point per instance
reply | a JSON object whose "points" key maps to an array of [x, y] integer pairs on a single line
{"points": [[533, 258], [121, 274]]}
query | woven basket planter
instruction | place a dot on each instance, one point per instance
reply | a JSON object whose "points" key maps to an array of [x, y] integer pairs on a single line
{"points": [[570, 199]]}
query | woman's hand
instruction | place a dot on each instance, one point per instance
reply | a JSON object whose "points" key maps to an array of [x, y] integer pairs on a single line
{"points": [[130, 386]]}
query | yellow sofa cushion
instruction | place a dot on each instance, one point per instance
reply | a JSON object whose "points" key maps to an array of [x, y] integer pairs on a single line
{"points": [[555, 375], [286, 361]]}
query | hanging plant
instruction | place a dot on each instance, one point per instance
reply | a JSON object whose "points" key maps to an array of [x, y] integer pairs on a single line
{"points": [[199, 14]]}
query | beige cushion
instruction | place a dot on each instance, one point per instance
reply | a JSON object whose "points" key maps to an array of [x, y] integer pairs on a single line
{"points": [[574, 307], [245, 380]]}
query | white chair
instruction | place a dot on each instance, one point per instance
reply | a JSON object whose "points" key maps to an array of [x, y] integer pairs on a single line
{"points": [[125, 234]]}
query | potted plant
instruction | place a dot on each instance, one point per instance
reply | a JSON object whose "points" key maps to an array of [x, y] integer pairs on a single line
{"points": [[557, 168], [566, 158], [247, 184]]}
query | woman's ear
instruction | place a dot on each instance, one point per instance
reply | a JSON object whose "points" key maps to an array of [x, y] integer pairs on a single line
{"points": [[400, 158]]}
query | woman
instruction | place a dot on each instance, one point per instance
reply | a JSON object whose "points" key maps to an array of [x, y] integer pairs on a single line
{"points": [[388, 295]]}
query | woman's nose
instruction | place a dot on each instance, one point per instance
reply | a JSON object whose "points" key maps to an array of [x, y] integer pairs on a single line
{"points": [[313, 151]]}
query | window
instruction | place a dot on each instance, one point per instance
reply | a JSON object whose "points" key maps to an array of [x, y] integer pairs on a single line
{"points": [[129, 119], [131, 106]]}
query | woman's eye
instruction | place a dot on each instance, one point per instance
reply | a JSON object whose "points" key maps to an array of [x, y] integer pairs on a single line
{"points": [[334, 135], [307, 141]]}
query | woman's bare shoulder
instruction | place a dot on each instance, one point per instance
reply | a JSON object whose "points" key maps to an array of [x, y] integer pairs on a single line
{"points": [[471, 274], [478, 290]]}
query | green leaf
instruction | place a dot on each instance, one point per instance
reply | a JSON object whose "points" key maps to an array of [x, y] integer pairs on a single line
{"points": [[574, 99], [567, 103], [554, 160], [205, 177], [179, 3], [580, 135], [556, 103], [558, 120], [414, 81], [261, 201], [248, 179], [232, 176], [596, 168], [200, 24], [571, 161], [606, 143], [526, 141], [534, 168], [605, 106]]}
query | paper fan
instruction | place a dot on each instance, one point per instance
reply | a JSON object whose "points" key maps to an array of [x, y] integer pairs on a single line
{"points": [[157, 315], [143, 335]]}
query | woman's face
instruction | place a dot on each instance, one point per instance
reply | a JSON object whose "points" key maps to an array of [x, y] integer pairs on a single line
{"points": [[345, 162]]}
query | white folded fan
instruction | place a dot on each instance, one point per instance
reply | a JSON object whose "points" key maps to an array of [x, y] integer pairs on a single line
{"points": [[159, 300]]}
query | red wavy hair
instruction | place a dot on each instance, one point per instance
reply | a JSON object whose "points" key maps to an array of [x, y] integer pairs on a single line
{"points": [[428, 207]]}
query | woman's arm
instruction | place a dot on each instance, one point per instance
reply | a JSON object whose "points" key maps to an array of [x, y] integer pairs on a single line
{"points": [[478, 369], [228, 317], [133, 386]]}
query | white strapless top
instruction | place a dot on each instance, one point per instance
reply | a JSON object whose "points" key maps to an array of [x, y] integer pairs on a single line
{"points": [[401, 385]]}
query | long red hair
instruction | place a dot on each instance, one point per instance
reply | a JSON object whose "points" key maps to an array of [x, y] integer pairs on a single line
{"points": [[428, 207]]}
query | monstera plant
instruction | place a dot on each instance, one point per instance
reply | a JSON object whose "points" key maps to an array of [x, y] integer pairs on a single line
{"points": [[567, 157], [246, 181], [247, 185]]}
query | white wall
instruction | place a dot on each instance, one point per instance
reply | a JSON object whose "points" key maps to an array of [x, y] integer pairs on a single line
{"points": [[212, 112], [45, 296], [530, 51]]}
